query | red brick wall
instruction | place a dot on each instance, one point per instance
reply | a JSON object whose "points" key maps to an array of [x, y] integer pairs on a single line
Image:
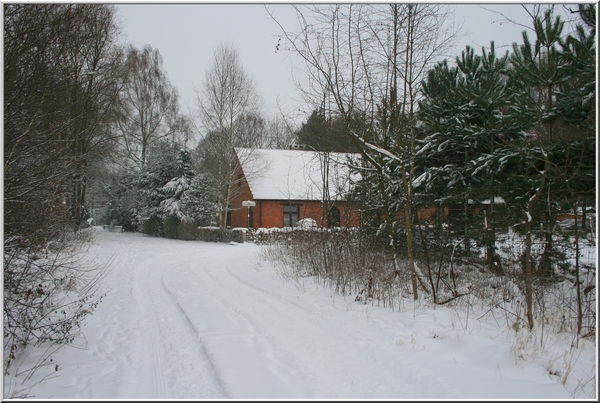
{"points": [[269, 214], [349, 215]]}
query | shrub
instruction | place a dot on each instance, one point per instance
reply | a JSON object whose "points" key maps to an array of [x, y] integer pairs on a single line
{"points": [[215, 234], [153, 226], [171, 225], [343, 259], [187, 231], [47, 294]]}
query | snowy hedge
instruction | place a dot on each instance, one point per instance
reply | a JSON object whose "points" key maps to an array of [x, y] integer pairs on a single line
{"points": [[215, 234]]}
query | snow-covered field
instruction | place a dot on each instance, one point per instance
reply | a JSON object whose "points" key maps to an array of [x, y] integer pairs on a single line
{"points": [[185, 319]]}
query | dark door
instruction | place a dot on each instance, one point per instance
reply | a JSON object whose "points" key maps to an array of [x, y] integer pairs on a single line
{"points": [[333, 217]]}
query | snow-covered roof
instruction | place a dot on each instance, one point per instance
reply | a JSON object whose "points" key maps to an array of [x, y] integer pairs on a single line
{"points": [[295, 174]]}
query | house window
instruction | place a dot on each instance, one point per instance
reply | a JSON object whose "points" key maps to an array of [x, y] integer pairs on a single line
{"points": [[290, 215]]}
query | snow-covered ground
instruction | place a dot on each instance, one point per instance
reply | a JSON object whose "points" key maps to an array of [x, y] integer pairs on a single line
{"points": [[185, 319]]}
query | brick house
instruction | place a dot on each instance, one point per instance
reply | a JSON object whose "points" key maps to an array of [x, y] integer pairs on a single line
{"points": [[288, 185]]}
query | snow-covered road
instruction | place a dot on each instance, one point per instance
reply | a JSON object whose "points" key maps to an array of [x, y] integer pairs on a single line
{"points": [[204, 320]]}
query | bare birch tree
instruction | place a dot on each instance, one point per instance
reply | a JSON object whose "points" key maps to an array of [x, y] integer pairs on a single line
{"points": [[149, 109], [228, 95]]}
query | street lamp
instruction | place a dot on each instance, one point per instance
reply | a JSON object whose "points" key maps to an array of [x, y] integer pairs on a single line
{"points": [[249, 204]]}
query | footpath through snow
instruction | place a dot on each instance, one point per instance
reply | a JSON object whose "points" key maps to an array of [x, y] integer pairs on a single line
{"points": [[184, 319]]}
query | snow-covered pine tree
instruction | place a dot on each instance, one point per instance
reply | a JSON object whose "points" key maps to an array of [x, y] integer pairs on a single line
{"points": [[136, 196], [466, 135], [177, 186], [556, 74], [199, 201]]}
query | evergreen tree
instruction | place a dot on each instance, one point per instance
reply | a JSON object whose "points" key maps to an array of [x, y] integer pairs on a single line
{"points": [[464, 149], [167, 188], [321, 133], [557, 77], [175, 189], [199, 202], [575, 110], [137, 196]]}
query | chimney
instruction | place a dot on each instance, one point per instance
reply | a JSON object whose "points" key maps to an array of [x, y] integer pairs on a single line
{"points": [[297, 147]]}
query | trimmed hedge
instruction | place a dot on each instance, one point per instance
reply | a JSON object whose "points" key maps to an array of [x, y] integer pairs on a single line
{"points": [[173, 228], [171, 225], [153, 226], [187, 231], [215, 234]]}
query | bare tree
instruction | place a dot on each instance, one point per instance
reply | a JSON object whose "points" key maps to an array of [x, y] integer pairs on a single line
{"points": [[149, 109], [227, 96], [369, 60], [92, 85], [280, 132], [250, 131]]}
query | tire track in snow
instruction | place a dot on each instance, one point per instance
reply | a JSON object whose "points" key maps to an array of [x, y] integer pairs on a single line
{"points": [[234, 338], [138, 328], [188, 323], [149, 323], [177, 366], [308, 316], [312, 366], [188, 367]]}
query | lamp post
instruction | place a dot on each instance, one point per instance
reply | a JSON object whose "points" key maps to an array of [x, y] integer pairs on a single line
{"points": [[249, 204]]}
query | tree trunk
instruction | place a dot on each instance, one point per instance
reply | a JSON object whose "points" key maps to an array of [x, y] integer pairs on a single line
{"points": [[528, 263]]}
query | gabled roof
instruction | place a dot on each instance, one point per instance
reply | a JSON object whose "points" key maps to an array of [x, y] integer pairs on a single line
{"points": [[295, 174]]}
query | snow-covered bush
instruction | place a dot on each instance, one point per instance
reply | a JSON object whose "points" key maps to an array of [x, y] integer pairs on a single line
{"points": [[352, 263], [47, 294], [343, 259], [306, 223]]}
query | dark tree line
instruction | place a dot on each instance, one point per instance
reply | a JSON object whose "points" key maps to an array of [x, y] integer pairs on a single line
{"points": [[61, 85], [514, 132], [79, 109]]}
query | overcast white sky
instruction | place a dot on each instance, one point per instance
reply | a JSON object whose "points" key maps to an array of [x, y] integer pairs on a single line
{"points": [[186, 35]]}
